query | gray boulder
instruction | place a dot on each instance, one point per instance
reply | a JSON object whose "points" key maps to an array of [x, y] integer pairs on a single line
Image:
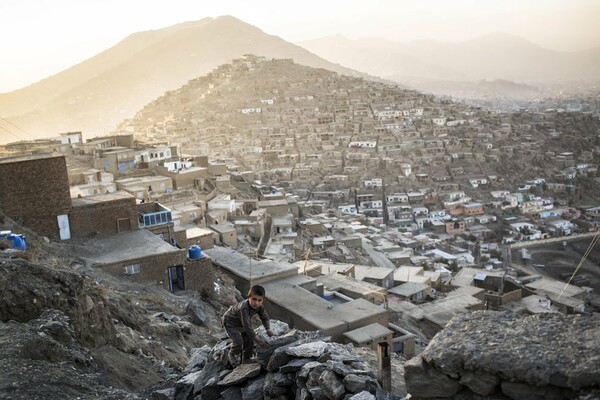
{"points": [[254, 390], [424, 381], [332, 385]]}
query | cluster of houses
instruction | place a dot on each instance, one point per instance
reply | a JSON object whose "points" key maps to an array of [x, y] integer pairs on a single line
{"points": [[364, 200]]}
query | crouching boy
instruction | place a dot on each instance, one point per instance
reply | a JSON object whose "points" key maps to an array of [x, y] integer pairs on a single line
{"points": [[237, 321]]}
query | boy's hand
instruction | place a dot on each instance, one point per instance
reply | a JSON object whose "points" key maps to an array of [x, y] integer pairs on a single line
{"points": [[269, 332], [262, 343]]}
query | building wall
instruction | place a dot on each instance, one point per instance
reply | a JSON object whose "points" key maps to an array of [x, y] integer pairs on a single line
{"points": [[105, 217], [229, 238], [153, 269], [199, 274], [35, 191], [205, 242]]}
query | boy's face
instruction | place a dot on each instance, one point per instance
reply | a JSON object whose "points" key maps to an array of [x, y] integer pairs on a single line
{"points": [[256, 301]]}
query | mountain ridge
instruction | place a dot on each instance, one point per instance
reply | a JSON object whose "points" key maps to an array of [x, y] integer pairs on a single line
{"points": [[493, 56], [96, 94]]}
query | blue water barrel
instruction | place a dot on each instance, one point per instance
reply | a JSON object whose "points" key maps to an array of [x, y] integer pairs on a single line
{"points": [[194, 252], [17, 242]]}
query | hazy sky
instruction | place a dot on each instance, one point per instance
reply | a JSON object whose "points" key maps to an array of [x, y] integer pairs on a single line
{"points": [[43, 37]]}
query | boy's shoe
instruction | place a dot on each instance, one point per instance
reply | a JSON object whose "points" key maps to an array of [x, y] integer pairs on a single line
{"points": [[251, 360], [233, 360]]}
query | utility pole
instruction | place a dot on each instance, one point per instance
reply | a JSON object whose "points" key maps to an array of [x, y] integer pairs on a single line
{"points": [[386, 215]]}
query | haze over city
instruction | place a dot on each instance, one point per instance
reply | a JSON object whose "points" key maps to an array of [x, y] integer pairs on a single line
{"points": [[43, 37]]}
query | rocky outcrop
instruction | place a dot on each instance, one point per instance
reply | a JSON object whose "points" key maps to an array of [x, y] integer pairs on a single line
{"points": [[505, 355], [29, 289], [42, 359], [297, 365]]}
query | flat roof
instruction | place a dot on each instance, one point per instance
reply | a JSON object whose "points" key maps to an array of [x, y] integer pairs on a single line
{"points": [[554, 287], [100, 198], [408, 289], [315, 310], [245, 268], [272, 203], [126, 246], [197, 232], [340, 282], [222, 228], [368, 333], [452, 303], [30, 157]]}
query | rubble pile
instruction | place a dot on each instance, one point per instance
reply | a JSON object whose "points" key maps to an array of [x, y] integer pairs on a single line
{"points": [[297, 365], [510, 356]]}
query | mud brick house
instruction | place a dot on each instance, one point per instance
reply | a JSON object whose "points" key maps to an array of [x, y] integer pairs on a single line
{"points": [[144, 257], [104, 213], [34, 190]]}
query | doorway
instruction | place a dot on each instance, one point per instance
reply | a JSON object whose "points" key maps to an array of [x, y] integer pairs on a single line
{"points": [[176, 278]]}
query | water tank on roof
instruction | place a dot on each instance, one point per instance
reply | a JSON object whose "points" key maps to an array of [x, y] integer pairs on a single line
{"points": [[194, 252]]}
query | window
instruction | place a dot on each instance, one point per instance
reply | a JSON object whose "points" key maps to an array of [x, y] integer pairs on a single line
{"points": [[132, 269]]}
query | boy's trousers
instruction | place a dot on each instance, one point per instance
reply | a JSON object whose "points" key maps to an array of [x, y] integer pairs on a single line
{"points": [[241, 342]]}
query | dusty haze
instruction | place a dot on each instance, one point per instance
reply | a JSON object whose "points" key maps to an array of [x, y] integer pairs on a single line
{"points": [[48, 37]]}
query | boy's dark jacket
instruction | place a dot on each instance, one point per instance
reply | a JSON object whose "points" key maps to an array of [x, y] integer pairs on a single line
{"points": [[239, 316]]}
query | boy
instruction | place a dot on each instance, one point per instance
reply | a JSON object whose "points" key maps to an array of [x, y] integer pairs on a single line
{"points": [[237, 321]]}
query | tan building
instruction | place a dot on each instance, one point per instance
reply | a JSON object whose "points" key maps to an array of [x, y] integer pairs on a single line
{"points": [[226, 234]]}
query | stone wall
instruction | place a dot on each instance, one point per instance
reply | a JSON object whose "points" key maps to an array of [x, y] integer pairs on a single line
{"points": [[200, 275], [35, 190], [504, 355]]}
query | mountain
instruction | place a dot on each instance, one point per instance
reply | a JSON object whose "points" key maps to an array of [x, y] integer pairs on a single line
{"points": [[496, 56], [95, 95]]}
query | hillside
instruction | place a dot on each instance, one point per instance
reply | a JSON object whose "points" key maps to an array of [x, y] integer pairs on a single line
{"points": [[98, 93]]}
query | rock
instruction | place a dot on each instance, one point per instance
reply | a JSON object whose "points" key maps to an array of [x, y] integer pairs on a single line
{"points": [[211, 369], [295, 365], [184, 388], [537, 350], [317, 393], [381, 394], [197, 359], [521, 391], [197, 312], [241, 374], [164, 394], [279, 358], [424, 381], [232, 393], [307, 368], [314, 375], [185, 327], [359, 383], [278, 327], [364, 395], [480, 382], [303, 394], [211, 390], [313, 349], [276, 384], [345, 369], [332, 385], [254, 389], [264, 355]]}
